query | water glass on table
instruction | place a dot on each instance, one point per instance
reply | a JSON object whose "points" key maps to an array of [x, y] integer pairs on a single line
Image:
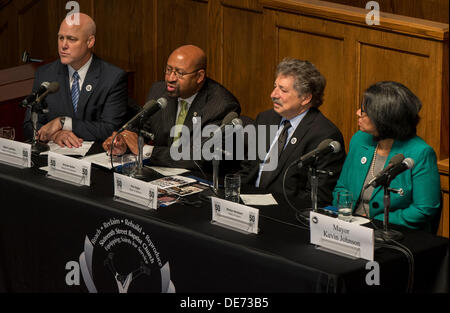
{"points": [[7, 132], [232, 185], [344, 205], [129, 164]]}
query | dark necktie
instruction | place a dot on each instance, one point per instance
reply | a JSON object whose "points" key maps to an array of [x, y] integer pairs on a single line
{"points": [[265, 175], [283, 137], [75, 91]]}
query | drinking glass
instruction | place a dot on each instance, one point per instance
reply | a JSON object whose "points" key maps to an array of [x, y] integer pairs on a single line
{"points": [[129, 164], [232, 187], [344, 205], [8, 132]]}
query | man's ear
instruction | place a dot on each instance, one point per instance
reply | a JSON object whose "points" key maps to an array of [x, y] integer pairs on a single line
{"points": [[91, 41], [306, 99], [201, 76]]}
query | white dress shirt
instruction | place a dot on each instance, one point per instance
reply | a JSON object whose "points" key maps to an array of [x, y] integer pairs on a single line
{"points": [[82, 72], [294, 123]]}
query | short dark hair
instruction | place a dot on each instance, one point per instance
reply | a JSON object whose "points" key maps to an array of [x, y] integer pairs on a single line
{"points": [[393, 108], [307, 79]]}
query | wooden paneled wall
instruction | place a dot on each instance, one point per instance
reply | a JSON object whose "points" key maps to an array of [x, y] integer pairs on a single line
{"points": [[244, 40], [433, 10]]}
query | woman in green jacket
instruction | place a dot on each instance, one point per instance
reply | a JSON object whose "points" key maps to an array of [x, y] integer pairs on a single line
{"points": [[387, 121]]}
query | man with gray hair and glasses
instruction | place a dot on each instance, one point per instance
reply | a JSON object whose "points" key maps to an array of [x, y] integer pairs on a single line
{"points": [[297, 95]]}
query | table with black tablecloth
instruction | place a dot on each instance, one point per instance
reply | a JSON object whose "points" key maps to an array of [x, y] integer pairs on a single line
{"points": [[45, 226]]}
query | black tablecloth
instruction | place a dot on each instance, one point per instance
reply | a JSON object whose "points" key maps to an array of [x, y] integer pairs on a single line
{"points": [[45, 224]]}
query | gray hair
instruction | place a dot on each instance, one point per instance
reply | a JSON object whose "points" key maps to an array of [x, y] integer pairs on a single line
{"points": [[307, 79]]}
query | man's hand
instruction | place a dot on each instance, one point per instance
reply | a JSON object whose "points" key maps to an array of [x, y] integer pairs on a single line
{"points": [[67, 138], [49, 130], [122, 141]]}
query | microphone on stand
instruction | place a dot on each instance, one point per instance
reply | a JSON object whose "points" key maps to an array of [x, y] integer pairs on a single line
{"points": [[52, 88], [148, 110], [325, 147], [27, 59], [231, 118], [396, 166], [45, 87]]}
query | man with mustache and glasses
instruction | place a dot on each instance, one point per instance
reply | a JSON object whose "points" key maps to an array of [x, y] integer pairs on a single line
{"points": [[192, 97], [297, 95]]}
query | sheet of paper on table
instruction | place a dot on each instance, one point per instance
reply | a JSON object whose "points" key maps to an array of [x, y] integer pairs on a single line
{"points": [[168, 171], [103, 160], [267, 199], [83, 150]]}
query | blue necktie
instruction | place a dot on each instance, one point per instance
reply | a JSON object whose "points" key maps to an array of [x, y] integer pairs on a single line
{"points": [[75, 90]]}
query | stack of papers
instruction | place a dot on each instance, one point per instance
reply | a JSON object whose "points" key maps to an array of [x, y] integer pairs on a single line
{"points": [[178, 185]]}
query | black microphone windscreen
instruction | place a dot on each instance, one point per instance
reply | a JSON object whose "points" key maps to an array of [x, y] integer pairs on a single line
{"points": [[325, 143], [396, 159], [148, 105], [53, 87], [229, 118]]}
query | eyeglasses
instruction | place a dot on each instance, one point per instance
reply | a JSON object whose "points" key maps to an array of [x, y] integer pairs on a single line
{"points": [[179, 74], [363, 111]]}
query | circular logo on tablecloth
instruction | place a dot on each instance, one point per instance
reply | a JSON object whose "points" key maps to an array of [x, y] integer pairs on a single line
{"points": [[121, 257]]}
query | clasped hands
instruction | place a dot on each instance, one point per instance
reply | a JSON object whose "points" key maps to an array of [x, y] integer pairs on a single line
{"points": [[124, 140], [53, 131]]}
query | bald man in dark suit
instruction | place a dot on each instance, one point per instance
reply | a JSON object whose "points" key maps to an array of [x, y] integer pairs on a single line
{"points": [[92, 99], [192, 97]]}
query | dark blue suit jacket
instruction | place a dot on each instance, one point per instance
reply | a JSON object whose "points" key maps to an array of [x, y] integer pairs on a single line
{"points": [[100, 110]]}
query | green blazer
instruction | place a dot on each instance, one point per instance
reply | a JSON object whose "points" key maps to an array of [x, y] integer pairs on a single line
{"points": [[419, 205]]}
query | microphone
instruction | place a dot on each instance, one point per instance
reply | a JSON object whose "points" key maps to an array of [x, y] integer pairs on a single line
{"points": [[396, 159], [51, 88], [26, 58], [325, 147], [230, 119], [149, 109], [396, 166], [31, 98]]}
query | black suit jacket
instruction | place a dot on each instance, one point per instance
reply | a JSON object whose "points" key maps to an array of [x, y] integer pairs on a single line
{"points": [[212, 103], [311, 131], [100, 111]]}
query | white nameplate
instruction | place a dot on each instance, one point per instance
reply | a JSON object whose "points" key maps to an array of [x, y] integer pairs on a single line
{"points": [[136, 191], [343, 237], [235, 215], [69, 169], [15, 153]]}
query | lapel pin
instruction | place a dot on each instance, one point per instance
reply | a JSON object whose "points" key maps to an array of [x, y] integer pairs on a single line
{"points": [[88, 88], [195, 114], [363, 160], [293, 141]]}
